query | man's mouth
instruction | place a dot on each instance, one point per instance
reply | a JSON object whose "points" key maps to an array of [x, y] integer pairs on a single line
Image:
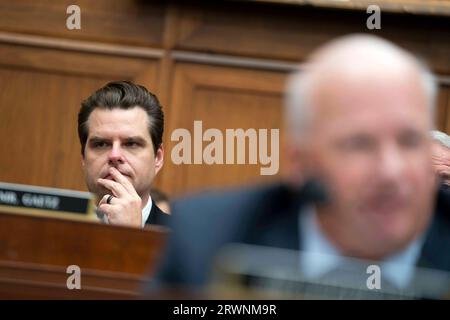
{"points": [[108, 176], [388, 204]]}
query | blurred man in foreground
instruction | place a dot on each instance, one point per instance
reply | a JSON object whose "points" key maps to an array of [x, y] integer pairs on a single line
{"points": [[120, 127], [358, 120]]}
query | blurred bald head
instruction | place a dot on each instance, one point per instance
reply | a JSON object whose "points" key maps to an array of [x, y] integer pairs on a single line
{"points": [[359, 117], [356, 60]]}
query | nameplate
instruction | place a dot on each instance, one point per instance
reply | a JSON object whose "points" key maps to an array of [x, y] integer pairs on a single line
{"points": [[50, 202]]}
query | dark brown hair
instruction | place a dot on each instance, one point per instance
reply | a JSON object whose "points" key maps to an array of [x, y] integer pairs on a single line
{"points": [[123, 95]]}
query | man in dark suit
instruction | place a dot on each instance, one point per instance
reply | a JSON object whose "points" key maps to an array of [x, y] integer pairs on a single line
{"points": [[120, 127], [361, 181]]}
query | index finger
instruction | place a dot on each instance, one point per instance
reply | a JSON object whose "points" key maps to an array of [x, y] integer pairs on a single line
{"points": [[115, 187], [120, 178]]}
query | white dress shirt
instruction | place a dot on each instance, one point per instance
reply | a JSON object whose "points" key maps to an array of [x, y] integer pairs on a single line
{"points": [[146, 210], [322, 256]]}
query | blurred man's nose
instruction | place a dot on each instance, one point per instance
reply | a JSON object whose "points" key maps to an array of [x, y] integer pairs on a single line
{"points": [[391, 162], [116, 155]]}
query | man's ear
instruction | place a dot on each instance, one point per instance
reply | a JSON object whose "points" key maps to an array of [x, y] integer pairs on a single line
{"points": [[159, 158]]}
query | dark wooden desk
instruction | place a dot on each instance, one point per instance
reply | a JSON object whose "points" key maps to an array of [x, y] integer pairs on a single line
{"points": [[35, 253]]}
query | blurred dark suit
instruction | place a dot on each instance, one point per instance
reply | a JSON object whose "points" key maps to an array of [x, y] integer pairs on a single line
{"points": [[266, 216]]}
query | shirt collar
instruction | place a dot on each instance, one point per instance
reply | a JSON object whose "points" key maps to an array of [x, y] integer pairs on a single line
{"points": [[146, 210], [321, 256]]}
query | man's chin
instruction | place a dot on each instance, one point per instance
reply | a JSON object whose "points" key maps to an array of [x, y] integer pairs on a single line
{"points": [[396, 234]]}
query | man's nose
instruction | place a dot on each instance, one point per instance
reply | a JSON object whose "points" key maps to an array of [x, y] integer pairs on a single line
{"points": [[391, 162], [116, 155]]}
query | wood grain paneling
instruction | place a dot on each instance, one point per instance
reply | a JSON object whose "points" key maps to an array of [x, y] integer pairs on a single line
{"points": [[291, 33], [429, 7], [443, 109], [135, 22], [223, 98], [35, 252], [93, 246], [22, 280]]}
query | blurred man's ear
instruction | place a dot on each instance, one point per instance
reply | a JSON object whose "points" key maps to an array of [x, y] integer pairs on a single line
{"points": [[159, 158]]}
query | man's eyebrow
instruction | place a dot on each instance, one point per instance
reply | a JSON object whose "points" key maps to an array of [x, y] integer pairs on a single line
{"points": [[96, 138], [138, 139]]}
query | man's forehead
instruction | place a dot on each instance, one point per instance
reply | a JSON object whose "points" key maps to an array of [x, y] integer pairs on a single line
{"points": [[363, 68], [350, 95], [120, 122], [118, 114]]}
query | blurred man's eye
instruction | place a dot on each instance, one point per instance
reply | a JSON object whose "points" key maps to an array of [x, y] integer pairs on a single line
{"points": [[411, 140], [99, 144], [356, 144]]}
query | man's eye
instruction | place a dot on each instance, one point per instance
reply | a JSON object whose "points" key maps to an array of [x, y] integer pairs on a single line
{"points": [[100, 144], [131, 144], [411, 141], [357, 144]]}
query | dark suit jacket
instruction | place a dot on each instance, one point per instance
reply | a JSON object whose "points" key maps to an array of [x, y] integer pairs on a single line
{"points": [[265, 216], [157, 216]]}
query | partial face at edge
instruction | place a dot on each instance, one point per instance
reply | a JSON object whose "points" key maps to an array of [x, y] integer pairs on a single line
{"points": [[441, 162]]}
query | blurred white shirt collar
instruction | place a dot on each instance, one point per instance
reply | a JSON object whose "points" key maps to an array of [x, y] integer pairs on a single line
{"points": [[146, 210], [323, 256]]}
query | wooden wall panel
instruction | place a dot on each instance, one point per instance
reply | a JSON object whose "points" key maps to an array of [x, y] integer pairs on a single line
{"points": [[218, 28], [424, 7], [74, 62], [443, 109], [40, 98], [134, 22], [223, 98], [291, 32]]}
